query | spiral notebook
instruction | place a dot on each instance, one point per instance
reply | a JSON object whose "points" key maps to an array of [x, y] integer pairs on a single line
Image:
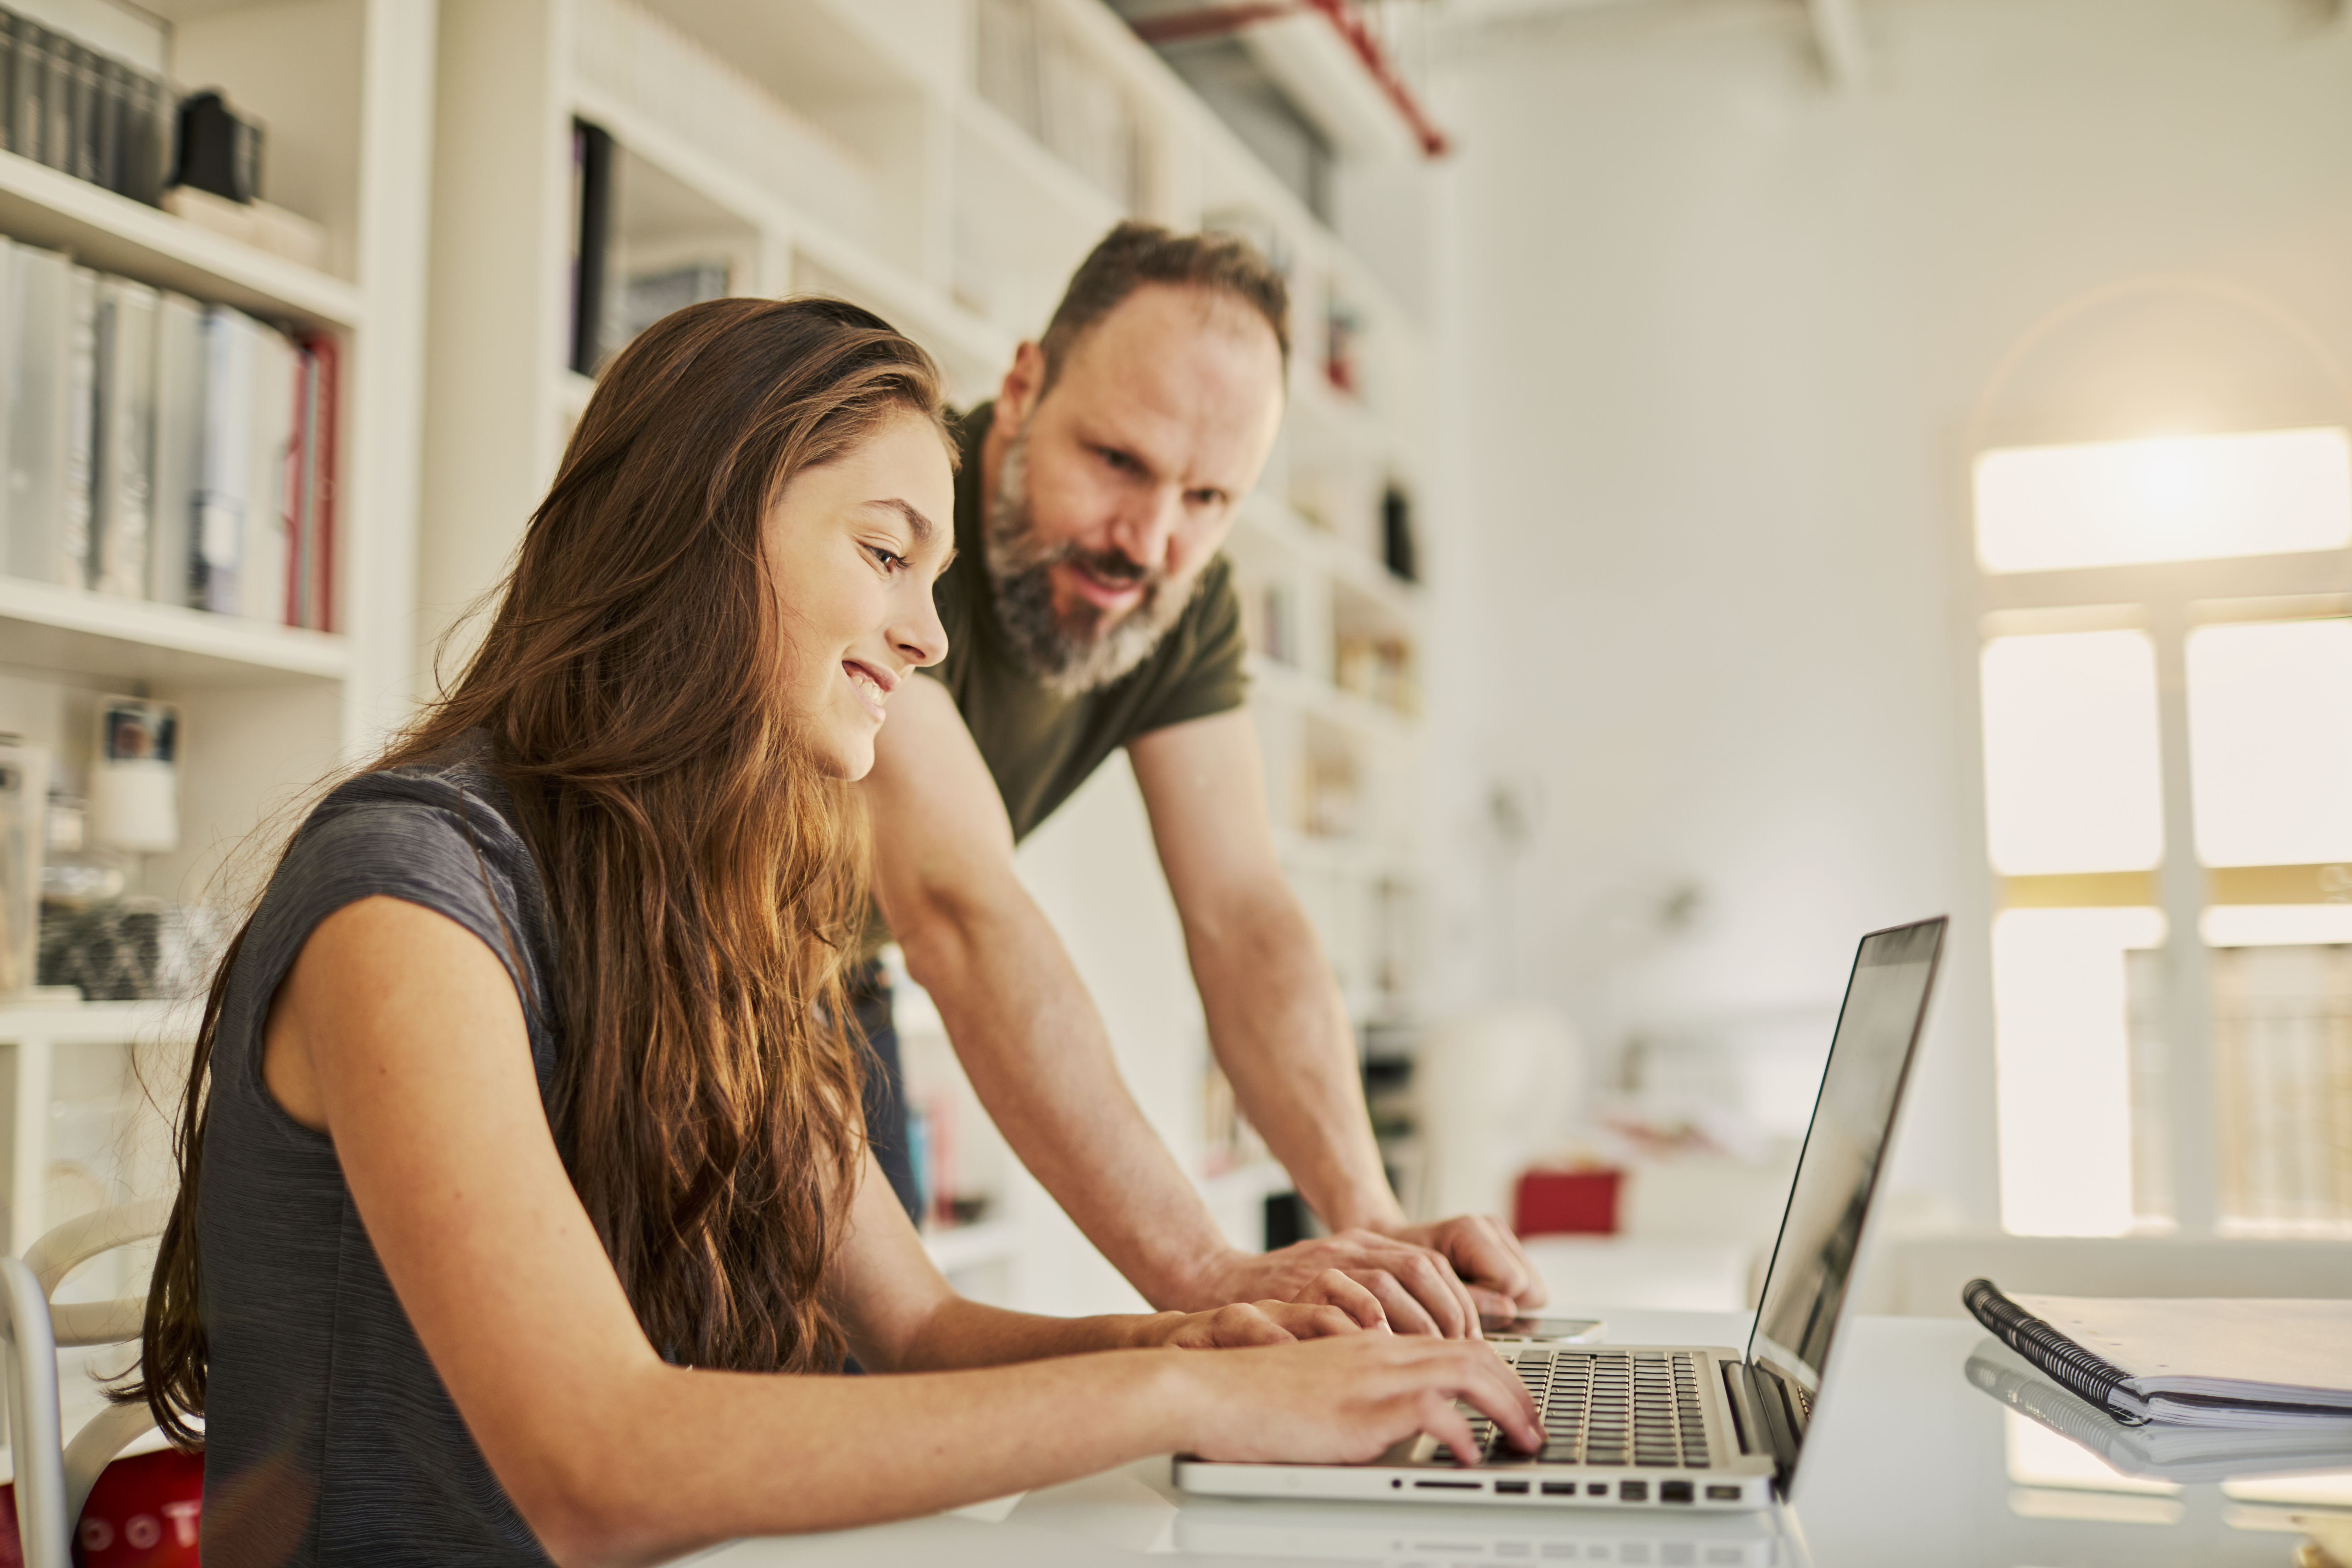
{"points": [[2152, 1450], [2259, 1365]]}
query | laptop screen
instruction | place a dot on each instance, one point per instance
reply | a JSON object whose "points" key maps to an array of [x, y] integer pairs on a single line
{"points": [[1861, 1085]]}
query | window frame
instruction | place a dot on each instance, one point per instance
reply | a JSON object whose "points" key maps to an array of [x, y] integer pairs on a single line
{"points": [[2167, 601]]}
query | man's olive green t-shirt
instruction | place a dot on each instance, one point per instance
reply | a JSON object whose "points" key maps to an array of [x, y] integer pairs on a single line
{"points": [[1040, 747]]}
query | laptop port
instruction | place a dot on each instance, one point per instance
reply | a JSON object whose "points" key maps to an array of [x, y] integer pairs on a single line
{"points": [[1632, 1491], [1673, 1492], [1512, 1489], [1560, 1489], [1594, 1489], [1450, 1486], [1723, 1494]]}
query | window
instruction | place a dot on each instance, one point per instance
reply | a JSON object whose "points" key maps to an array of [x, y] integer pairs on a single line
{"points": [[2169, 817]]}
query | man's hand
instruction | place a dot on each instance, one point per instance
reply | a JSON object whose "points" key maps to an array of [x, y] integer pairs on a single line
{"points": [[1413, 1279], [1487, 1256]]}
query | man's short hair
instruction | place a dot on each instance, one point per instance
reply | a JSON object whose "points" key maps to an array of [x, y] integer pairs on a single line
{"points": [[1135, 253]]}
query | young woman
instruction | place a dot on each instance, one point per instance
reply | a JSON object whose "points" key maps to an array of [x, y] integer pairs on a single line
{"points": [[522, 1154]]}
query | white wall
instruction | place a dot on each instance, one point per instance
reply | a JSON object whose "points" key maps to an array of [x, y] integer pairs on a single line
{"points": [[1710, 337]]}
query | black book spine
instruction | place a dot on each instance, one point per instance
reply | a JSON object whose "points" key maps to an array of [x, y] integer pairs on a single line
{"points": [[2074, 1368], [9, 23], [592, 149], [113, 114], [57, 100], [146, 135], [82, 162], [25, 105]]}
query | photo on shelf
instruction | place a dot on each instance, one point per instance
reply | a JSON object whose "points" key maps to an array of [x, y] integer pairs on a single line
{"points": [[134, 784]]}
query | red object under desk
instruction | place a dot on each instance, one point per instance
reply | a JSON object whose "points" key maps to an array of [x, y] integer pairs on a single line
{"points": [[1570, 1203]]}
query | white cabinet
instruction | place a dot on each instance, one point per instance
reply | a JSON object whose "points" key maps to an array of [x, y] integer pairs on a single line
{"points": [[345, 88]]}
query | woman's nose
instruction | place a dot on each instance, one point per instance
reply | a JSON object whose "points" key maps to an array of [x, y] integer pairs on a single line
{"points": [[919, 635]]}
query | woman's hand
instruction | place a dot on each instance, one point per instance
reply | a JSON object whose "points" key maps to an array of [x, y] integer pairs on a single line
{"points": [[1345, 1398], [1330, 1304]]}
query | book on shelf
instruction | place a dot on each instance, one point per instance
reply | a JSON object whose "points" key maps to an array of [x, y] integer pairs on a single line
{"points": [[38, 345], [81, 387], [83, 112], [592, 243], [224, 469], [179, 449], [155, 447], [311, 591], [122, 451], [2275, 1365], [265, 553]]}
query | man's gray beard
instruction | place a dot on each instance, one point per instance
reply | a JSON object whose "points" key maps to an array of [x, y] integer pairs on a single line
{"points": [[1068, 663]]}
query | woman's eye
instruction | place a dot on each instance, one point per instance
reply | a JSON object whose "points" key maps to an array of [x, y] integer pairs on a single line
{"points": [[892, 561]]}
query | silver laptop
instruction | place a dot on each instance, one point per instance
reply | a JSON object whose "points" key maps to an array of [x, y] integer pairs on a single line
{"points": [[1687, 1425]]}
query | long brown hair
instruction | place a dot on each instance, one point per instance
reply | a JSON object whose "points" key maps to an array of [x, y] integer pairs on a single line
{"points": [[705, 884]]}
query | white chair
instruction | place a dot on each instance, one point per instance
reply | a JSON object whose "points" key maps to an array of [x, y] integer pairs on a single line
{"points": [[54, 1478]]}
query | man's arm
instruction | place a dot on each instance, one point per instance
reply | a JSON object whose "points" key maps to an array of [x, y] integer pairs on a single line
{"points": [[1037, 1053], [1276, 1022], [1029, 1036]]}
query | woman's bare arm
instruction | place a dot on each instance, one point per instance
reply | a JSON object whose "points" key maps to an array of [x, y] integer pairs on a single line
{"points": [[903, 1316], [398, 1032]]}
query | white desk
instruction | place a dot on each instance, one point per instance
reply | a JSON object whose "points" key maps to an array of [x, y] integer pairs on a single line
{"points": [[1906, 1464]]}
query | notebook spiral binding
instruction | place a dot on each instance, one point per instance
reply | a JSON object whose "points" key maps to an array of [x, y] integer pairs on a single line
{"points": [[2076, 1368]]}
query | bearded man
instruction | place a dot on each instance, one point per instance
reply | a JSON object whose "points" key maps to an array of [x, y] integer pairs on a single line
{"points": [[1088, 610]]}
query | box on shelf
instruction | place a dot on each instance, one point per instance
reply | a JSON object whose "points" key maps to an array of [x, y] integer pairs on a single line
{"points": [[1380, 668], [257, 223]]}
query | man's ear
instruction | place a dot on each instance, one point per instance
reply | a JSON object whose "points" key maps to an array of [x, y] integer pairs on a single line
{"points": [[1024, 382]]}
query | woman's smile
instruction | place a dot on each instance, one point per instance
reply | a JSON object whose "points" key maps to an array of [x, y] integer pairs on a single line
{"points": [[872, 683]]}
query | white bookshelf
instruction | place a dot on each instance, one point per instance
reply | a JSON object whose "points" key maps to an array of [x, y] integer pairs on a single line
{"points": [[917, 196], [345, 89]]}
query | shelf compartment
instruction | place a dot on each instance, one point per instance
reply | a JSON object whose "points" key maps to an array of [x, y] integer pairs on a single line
{"points": [[1355, 572], [962, 338], [636, 56], [1347, 712], [67, 631], [40, 205], [1023, 221]]}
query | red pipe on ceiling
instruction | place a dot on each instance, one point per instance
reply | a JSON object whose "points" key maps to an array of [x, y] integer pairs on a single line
{"points": [[1206, 21]]}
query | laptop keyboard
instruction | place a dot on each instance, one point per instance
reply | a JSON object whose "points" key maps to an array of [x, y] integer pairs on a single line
{"points": [[1638, 1408]]}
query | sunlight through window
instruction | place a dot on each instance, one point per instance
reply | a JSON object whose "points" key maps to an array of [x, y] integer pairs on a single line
{"points": [[2188, 498], [2270, 742], [2063, 1055], [2072, 770]]}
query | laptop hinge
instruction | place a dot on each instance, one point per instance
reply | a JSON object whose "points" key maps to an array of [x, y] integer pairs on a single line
{"points": [[1747, 1421], [1760, 1412]]}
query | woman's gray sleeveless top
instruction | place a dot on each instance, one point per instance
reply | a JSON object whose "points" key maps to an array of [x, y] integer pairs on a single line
{"points": [[328, 1436]]}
